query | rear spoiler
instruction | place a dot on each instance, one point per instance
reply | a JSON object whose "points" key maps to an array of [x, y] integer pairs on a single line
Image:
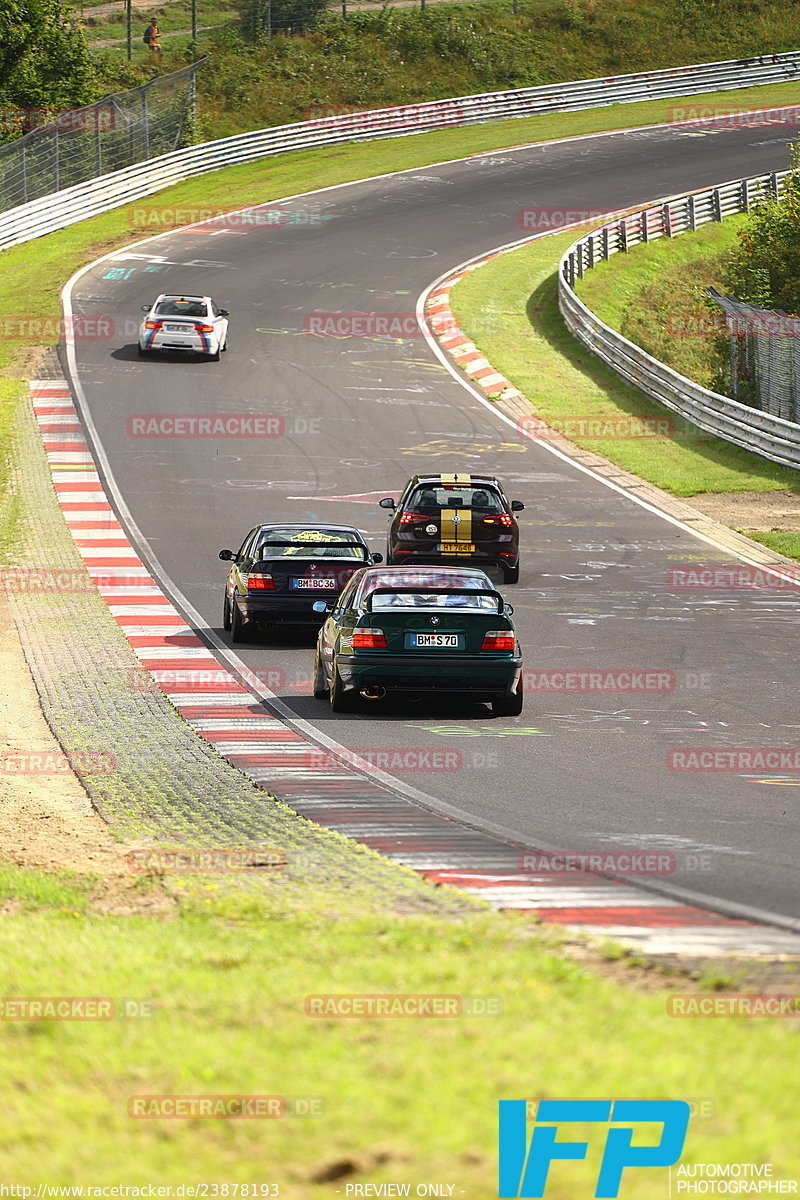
{"points": [[434, 591]]}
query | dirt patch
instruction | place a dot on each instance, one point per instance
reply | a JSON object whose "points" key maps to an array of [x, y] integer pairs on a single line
{"points": [[46, 820], [774, 512]]}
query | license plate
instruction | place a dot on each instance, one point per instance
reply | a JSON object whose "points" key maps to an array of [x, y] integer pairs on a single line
{"points": [[311, 584], [179, 328], [457, 548], [434, 641]]}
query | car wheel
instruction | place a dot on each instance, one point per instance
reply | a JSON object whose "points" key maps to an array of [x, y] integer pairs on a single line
{"points": [[509, 705], [142, 352], [240, 629], [341, 701], [226, 613], [225, 347], [511, 574], [215, 356], [320, 684]]}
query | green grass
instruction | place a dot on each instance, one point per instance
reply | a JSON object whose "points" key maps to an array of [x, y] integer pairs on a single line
{"points": [[408, 1100], [401, 56], [10, 505], [531, 346], [655, 291], [784, 543]]}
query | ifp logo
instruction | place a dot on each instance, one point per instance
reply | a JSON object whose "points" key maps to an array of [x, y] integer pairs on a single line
{"points": [[524, 1166]]}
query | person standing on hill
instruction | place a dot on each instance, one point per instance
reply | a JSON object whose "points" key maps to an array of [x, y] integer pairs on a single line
{"points": [[151, 37]]}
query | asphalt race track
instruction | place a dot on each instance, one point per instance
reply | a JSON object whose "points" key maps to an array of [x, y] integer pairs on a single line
{"points": [[360, 414]]}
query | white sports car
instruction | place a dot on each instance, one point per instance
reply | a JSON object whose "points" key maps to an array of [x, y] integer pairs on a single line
{"points": [[193, 323]]}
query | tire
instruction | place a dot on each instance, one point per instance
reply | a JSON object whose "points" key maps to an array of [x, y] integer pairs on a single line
{"points": [[215, 357], [340, 700], [509, 705], [142, 352], [320, 686], [511, 574], [225, 347], [226, 613], [240, 629]]}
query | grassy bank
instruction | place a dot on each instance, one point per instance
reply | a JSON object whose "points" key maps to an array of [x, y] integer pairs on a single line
{"points": [[533, 349], [411, 1100], [400, 56]]}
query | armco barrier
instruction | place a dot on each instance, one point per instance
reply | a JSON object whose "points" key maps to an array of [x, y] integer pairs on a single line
{"points": [[66, 207], [771, 437]]}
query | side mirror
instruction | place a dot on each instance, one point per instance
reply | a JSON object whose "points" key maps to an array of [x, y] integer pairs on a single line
{"points": [[320, 606], [517, 506], [227, 556], [223, 312], [377, 558], [146, 307], [386, 502]]}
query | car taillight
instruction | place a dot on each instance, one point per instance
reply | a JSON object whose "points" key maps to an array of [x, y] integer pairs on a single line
{"points": [[152, 324], [260, 583], [369, 639], [410, 518], [498, 639], [205, 328], [503, 519]]}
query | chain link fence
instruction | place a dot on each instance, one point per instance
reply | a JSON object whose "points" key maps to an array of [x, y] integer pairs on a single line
{"points": [[79, 144], [764, 356]]}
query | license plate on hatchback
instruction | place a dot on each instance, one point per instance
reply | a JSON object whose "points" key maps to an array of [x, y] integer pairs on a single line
{"points": [[433, 641], [457, 548]]}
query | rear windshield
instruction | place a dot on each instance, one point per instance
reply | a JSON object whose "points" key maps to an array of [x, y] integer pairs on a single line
{"points": [[181, 308], [301, 548], [434, 498]]}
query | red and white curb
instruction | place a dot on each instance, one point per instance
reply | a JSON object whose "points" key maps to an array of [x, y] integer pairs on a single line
{"points": [[457, 344], [225, 713]]}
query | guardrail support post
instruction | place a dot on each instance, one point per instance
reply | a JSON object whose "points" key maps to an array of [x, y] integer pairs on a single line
{"points": [[744, 199], [692, 214], [645, 230], [604, 234], [716, 201], [666, 220]]}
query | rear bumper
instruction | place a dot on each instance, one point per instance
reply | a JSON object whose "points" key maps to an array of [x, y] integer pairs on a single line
{"points": [[478, 558], [466, 676], [282, 610]]}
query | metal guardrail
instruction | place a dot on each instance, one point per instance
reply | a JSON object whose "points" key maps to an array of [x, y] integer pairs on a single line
{"points": [[770, 436], [73, 204]]}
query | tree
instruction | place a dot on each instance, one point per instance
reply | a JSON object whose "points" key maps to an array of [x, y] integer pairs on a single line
{"points": [[44, 61], [765, 268]]}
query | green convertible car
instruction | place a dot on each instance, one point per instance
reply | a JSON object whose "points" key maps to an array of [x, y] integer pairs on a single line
{"points": [[418, 630]]}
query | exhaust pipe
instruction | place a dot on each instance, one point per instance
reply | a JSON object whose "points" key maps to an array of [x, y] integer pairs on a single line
{"points": [[373, 693]]}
